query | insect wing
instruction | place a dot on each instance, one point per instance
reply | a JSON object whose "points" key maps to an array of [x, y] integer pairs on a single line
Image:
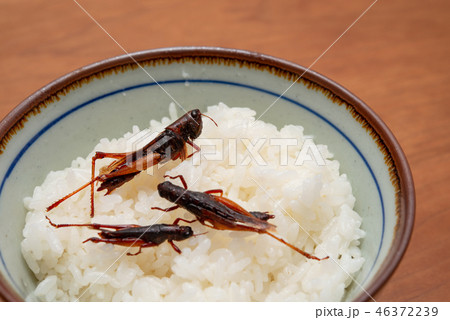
{"points": [[232, 205]]}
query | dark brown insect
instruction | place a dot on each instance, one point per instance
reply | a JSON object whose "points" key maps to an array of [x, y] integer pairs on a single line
{"points": [[132, 235], [168, 145], [220, 213]]}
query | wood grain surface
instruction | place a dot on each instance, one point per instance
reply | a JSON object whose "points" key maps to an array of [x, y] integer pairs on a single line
{"points": [[395, 58]]}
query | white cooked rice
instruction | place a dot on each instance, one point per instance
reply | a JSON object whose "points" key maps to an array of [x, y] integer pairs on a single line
{"points": [[312, 202]]}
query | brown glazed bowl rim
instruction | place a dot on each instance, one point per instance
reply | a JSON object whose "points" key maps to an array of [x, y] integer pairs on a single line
{"points": [[406, 196]]}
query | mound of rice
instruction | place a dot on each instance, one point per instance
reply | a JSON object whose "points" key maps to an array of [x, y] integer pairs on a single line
{"points": [[257, 166]]}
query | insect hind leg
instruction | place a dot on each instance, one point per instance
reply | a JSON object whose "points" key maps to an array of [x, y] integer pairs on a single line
{"points": [[97, 156], [130, 242]]}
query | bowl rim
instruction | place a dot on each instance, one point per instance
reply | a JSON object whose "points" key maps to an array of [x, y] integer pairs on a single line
{"points": [[405, 201]]}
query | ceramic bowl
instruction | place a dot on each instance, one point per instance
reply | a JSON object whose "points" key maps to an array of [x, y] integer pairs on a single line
{"points": [[66, 118]]}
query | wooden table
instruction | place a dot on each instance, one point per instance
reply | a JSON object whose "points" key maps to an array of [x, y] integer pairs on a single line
{"points": [[395, 58]]}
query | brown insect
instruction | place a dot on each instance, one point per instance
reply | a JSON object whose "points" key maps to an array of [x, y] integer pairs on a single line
{"points": [[132, 235], [168, 145], [220, 213]]}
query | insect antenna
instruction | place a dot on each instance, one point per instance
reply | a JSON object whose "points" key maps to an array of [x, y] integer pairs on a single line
{"points": [[209, 118]]}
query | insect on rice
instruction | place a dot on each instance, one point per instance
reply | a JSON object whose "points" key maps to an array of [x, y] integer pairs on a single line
{"points": [[312, 203]]}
